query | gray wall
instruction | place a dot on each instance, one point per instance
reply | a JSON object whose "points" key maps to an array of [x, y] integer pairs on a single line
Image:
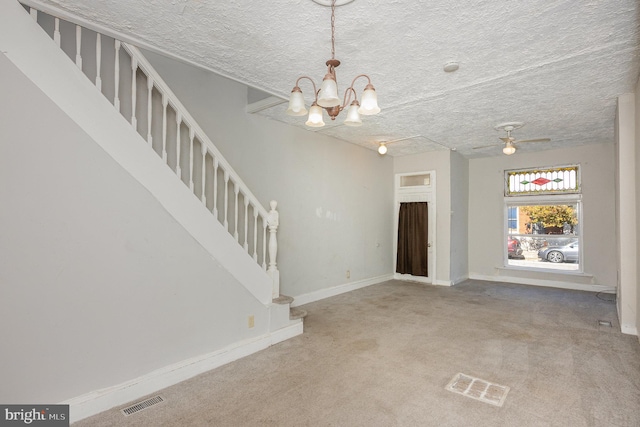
{"points": [[335, 199], [486, 211], [99, 284], [459, 217]]}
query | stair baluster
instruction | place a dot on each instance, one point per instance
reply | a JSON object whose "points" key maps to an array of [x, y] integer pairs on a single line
{"points": [[226, 200], [116, 76], [134, 92], [178, 144], [78, 46], [98, 61], [149, 109], [203, 195], [236, 190], [215, 187], [192, 134], [56, 31], [246, 222], [165, 102]]}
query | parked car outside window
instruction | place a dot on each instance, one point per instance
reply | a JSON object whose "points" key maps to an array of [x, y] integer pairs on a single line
{"points": [[514, 250], [556, 254]]}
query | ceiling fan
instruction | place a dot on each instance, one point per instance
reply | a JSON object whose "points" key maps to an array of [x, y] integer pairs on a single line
{"points": [[510, 141]]}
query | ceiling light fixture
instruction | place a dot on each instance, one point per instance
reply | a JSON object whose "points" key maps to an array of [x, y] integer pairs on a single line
{"points": [[382, 145], [327, 96], [509, 148]]}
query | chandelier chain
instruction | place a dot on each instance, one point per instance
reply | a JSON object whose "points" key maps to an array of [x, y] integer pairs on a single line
{"points": [[333, 29]]}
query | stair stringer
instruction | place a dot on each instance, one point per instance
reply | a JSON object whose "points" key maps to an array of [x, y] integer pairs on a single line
{"points": [[34, 54]]}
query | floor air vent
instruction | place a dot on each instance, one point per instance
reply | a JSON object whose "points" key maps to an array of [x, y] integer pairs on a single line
{"points": [[137, 407], [604, 326], [478, 389]]}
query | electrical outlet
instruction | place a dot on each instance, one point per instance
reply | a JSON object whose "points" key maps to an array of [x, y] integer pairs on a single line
{"points": [[251, 321], [348, 274]]}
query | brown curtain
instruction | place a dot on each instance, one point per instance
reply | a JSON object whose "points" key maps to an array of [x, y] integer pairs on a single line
{"points": [[412, 239]]}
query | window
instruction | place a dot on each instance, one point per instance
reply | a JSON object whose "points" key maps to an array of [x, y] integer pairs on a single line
{"points": [[542, 213]]}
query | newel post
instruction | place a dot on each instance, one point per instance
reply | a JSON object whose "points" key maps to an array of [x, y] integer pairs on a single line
{"points": [[272, 222]]}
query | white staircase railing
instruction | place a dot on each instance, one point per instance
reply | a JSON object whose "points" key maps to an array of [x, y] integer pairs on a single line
{"points": [[125, 77]]}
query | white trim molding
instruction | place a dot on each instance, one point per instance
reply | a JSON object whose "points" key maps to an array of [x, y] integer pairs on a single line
{"points": [[264, 104], [98, 401], [337, 290]]}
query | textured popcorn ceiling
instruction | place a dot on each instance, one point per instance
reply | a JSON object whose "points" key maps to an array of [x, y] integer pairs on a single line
{"points": [[557, 65]]}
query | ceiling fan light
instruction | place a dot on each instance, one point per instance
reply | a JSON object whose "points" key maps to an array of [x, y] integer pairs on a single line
{"points": [[382, 149], [315, 116], [328, 96], [509, 149], [353, 117], [296, 103], [369, 105]]}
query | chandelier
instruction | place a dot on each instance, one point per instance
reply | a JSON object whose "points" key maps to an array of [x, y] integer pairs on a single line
{"points": [[327, 97]]}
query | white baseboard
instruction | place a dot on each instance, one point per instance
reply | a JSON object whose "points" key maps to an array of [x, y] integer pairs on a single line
{"points": [[542, 282], [459, 280], [337, 290], [291, 331], [629, 330], [101, 400], [442, 283]]}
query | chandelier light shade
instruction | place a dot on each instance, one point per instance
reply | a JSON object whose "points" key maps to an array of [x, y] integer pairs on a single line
{"points": [[327, 97], [369, 101], [353, 115], [296, 103], [315, 116]]}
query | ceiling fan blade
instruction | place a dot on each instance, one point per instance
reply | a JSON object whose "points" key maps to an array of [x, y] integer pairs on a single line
{"points": [[532, 140], [486, 146]]}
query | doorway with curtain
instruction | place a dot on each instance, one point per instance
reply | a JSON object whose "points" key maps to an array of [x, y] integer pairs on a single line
{"points": [[414, 226]]}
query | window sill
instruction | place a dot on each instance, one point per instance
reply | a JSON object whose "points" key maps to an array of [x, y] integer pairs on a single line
{"points": [[576, 273]]}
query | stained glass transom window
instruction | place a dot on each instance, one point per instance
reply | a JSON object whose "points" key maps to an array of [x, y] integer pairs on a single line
{"points": [[558, 180]]}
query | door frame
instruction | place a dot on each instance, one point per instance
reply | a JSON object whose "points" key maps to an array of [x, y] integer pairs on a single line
{"points": [[418, 193]]}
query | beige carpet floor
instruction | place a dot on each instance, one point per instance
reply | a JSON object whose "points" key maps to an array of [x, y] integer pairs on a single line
{"points": [[383, 355]]}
